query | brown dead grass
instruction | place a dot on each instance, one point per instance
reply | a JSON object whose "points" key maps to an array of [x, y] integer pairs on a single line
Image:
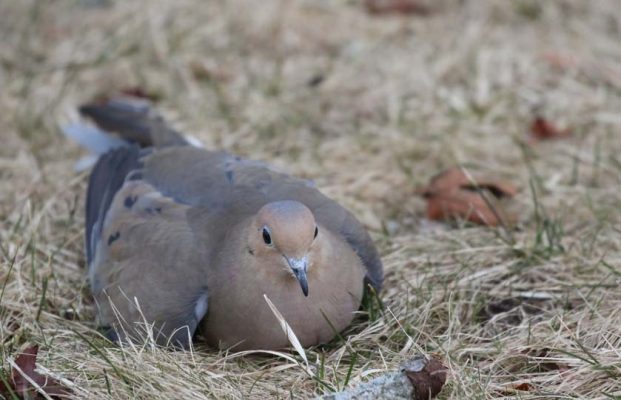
{"points": [[400, 98]]}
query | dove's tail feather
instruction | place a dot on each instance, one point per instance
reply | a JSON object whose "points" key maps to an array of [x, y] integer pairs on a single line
{"points": [[121, 122], [134, 120], [93, 139]]}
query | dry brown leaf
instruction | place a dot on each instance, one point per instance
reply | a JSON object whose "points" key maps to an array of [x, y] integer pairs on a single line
{"points": [[512, 390], [380, 7], [26, 361], [136, 91], [130, 91], [543, 360], [524, 387], [560, 61], [206, 71], [452, 194], [456, 178], [542, 129], [429, 380], [461, 204]]}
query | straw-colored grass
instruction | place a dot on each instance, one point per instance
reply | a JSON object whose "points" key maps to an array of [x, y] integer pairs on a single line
{"points": [[400, 98]]}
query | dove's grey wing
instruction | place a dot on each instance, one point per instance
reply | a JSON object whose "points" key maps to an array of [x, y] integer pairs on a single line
{"points": [[146, 266], [231, 187], [105, 180]]}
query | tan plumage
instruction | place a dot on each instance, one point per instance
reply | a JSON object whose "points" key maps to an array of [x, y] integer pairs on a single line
{"points": [[179, 237]]}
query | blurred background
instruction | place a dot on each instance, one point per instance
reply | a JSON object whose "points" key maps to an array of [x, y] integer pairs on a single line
{"points": [[401, 87], [370, 99]]}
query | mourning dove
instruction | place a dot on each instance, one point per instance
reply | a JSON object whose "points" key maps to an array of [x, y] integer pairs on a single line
{"points": [[179, 237]]}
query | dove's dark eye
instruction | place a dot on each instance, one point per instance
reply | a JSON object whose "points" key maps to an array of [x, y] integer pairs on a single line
{"points": [[316, 232], [267, 238]]}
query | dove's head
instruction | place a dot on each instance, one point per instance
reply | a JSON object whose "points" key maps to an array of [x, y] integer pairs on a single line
{"points": [[283, 236]]}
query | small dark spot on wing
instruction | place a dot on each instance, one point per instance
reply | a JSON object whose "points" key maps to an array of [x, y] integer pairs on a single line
{"points": [[130, 200], [230, 176], [316, 80], [110, 334], [145, 151], [114, 237], [135, 175]]}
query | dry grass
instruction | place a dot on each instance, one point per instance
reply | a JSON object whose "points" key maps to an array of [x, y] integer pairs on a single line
{"points": [[400, 99]]}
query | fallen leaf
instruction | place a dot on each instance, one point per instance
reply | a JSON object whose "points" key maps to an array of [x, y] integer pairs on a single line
{"points": [[453, 194], [513, 389], [380, 7], [316, 80], [427, 377], [460, 204], [542, 129], [544, 361], [26, 362], [207, 71], [19, 381], [455, 177], [524, 386], [560, 61], [136, 91]]}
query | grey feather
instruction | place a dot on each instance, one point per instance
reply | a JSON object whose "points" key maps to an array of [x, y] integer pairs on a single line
{"points": [[91, 138], [105, 180]]}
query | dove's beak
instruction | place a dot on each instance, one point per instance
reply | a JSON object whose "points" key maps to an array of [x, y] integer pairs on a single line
{"points": [[299, 266]]}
